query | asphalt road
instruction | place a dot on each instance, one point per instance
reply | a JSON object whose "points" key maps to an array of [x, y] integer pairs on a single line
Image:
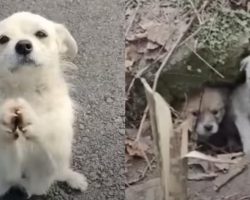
{"points": [[97, 26]]}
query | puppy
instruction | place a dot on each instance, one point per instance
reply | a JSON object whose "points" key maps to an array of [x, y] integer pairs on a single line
{"points": [[240, 106], [36, 112], [208, 111]]}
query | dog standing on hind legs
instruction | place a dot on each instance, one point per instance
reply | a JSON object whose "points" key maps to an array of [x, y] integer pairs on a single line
{"points": [[36, 112], [240, 106]]}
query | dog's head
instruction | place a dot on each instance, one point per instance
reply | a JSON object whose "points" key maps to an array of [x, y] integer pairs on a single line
{"points": [[28, 39], [206, 111]]}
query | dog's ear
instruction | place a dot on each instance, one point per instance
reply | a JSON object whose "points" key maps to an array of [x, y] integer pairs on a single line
{"points": [[66, 43]]}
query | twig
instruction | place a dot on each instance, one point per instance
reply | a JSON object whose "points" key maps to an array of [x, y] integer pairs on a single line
{"points": [[133, 18], [230, 196], [245, 198], [138, 75], [148, 167], [143, 174], [190, 36], [203, 60], [141, 124], [195, 11], [234, 171]]}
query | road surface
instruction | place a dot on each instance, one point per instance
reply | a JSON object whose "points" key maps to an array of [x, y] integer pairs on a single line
{"points": [[97, 25]]}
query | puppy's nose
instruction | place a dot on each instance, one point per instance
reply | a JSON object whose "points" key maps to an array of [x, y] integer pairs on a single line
{"points": [[208, 127], [23, 47]]}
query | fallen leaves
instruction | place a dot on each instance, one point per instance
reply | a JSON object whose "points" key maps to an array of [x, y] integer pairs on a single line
{"points": [[222, 168], [136, 148], [151, 33]]}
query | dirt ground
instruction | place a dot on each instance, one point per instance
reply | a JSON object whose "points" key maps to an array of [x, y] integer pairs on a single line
{"points": [[144, 46]]}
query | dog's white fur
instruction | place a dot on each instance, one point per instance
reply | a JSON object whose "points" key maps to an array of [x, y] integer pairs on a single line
{"points": [[38, 92], [241, 106]]}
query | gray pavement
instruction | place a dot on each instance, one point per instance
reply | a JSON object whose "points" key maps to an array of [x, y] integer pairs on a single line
{"points": [[98, 151]]}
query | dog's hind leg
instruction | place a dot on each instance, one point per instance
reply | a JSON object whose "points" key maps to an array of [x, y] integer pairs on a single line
{"points": [[243, 126]]}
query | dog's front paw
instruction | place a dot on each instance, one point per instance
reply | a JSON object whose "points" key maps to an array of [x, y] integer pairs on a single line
{"points": [[25, 118], [17, 117], [75, 180], [9, 118]]}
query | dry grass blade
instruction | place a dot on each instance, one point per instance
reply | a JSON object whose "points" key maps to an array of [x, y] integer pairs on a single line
{"points": [[203, 60]]}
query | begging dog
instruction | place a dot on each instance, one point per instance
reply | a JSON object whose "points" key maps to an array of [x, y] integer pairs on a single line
{"points": [[208, 111], [36, 111], [240, 106]]}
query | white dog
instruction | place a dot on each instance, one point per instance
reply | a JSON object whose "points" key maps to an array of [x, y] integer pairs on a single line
{"points": [[36, 112], [241, 106]]}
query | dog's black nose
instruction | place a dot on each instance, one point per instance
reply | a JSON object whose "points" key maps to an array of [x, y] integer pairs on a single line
{"points": [[208, 127], [23, 47]]}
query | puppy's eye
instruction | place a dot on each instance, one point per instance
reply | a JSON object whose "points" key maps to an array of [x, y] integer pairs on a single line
{"points": [[215, 112], [195, 113], [41, 34], [4, 39]]}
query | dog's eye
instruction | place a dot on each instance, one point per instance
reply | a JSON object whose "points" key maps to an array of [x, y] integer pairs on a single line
{"points": [[215, 112], [41, 34], [4, 39], [195, 113]]}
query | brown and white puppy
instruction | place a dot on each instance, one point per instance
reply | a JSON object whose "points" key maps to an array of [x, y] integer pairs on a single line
{"points": [[206, 109], [209, 113]]}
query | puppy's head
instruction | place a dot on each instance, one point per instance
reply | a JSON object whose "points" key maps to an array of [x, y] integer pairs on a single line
{"points": [[206, 111], [28, 39]]}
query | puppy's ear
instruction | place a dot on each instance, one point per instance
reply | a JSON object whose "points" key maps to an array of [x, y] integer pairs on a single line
{"points": [[66, 43]]}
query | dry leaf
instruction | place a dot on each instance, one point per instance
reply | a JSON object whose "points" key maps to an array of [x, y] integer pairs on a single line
{"points": [[202, 156], [201, 176], [141, 46], [136, 36], [131, 55], [234, 171], [159, 33], [231, 155], [136, 148], [223, 167], [204, 165], [154, 54], [128, 64], [152, 45]]}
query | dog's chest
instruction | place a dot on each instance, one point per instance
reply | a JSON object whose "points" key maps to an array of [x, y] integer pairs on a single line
{"points": [[34, 93]]}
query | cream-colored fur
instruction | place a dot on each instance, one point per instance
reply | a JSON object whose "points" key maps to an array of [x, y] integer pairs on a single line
{"points": [[206, 109], [36, 114]]}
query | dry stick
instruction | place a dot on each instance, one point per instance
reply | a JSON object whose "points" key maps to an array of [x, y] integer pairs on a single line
{"points": [[245, 198], [141, 176], [133, 18], [195, 11], [190, 36], [203, 60]]}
